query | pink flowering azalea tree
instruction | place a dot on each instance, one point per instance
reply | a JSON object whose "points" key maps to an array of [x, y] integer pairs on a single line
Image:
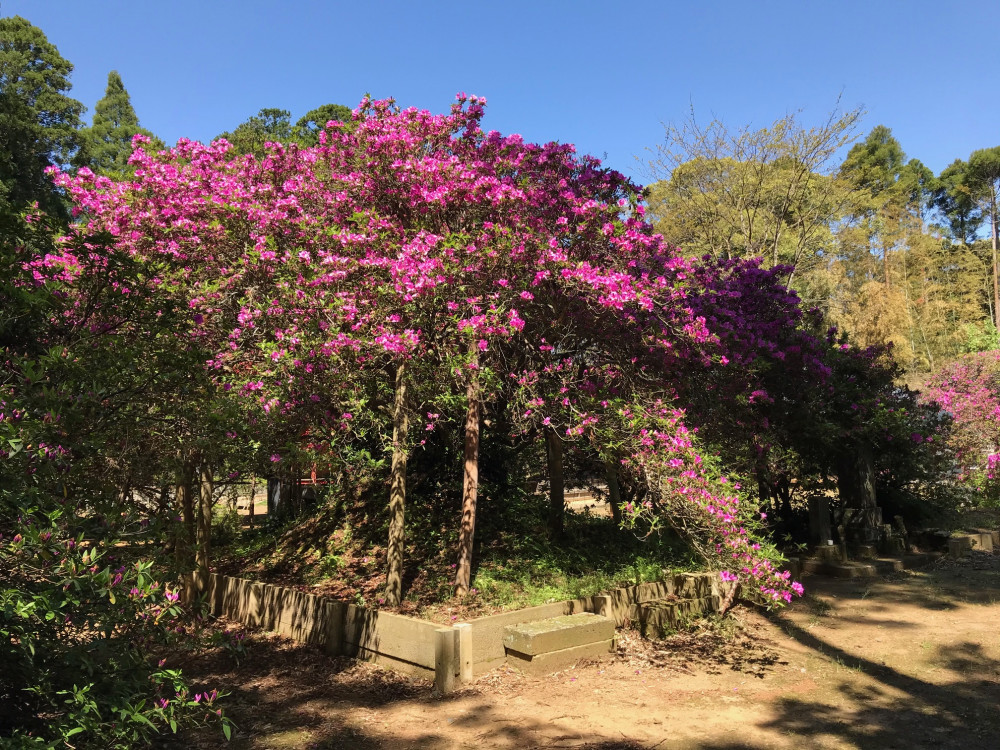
{"points": [[968, 391], [417, 253]]}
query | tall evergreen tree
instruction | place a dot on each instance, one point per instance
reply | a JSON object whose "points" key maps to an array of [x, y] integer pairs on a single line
{"points": [[875, 163], [878, 167], [107, 144], [39, 123]]}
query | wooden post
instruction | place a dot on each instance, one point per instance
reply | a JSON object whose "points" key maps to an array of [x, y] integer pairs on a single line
{"points": [[185, 532]]}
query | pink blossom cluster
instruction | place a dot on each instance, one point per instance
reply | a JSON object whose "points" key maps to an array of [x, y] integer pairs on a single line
{"points": [[706, 506], [968, 390]]}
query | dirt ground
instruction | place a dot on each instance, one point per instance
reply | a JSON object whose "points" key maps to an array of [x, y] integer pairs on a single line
{"points": [[911, 661]]}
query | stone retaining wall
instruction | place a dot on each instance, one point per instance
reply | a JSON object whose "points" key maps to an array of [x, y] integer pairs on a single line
{"points": [[417, 647], [959, 544], [405, 644]]}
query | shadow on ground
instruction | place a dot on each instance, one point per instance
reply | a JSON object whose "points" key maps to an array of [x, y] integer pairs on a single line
{"points": [[291, 696]]}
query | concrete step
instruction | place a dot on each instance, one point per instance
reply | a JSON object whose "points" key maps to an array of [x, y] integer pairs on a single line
{"points": [[878, 566], [550, 645]]}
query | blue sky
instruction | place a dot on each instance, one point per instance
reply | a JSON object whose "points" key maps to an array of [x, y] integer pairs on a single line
{"points": [[602, 75]]}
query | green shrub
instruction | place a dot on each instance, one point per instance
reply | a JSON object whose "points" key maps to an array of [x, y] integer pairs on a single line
{"points": [[76, 630]]}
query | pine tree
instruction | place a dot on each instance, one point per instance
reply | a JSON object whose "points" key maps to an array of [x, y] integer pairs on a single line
{"points": [[107, 143]]}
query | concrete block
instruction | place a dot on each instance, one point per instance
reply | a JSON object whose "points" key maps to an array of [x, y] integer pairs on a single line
{"points": [[893, 545], [794, 568], [488, 632], [411, 646], [662, 616], [401, 643], [555, 661], [853, 568], [827, 553], [557, 633], [331, 625], [866, 551], [623, 598], [959, 545], [603, 606], [403, 638], [982, 542], [692, 585]]}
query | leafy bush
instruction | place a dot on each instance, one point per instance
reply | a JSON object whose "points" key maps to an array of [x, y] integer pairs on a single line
{"points": [[76, 629]]}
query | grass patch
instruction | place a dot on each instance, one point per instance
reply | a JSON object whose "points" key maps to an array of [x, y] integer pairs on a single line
{"points": [[594, 556]]}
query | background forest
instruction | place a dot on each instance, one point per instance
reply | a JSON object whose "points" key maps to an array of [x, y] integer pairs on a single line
{"points": [[888, 251]]}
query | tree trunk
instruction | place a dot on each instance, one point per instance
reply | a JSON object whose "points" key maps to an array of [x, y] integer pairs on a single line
{"points": [[856, 483], [203, 549], [277, 496], [397, 494], [163, 502], [557, 491], [614, 492], [463, 572], [183, 558], [285, 493], [295, 490], [253, 498], [765, 495], [996, 283]]}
